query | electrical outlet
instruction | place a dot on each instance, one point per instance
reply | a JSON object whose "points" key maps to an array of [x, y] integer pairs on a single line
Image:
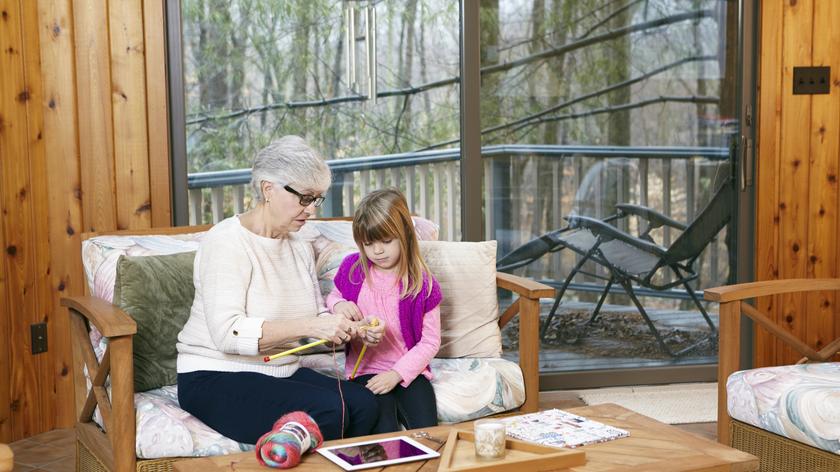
{"points": [[38, 332], [811, 80]]}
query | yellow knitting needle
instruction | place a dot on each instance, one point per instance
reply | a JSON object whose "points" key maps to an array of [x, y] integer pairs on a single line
{"points": [[313, 344], [374, 322], [294, 350]]}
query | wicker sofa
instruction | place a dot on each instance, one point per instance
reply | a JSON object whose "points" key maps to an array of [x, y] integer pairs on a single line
{"points": [[107, 421], [790, 388]]}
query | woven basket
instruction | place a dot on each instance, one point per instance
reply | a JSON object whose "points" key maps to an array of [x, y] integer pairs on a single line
{"points": [[780, 454], [87, 461]]}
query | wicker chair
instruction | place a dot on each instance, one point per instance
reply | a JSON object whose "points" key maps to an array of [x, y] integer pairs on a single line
{"points": [[776, 453], [114, 449]]}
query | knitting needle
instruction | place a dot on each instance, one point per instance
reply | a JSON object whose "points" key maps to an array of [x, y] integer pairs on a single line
{"points": [[374, 322], [312, 344], [294, 350]]}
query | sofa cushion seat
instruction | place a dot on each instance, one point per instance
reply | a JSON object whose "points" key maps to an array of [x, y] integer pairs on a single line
{"points": [[461, 384], [165, 430], [800, 402]]}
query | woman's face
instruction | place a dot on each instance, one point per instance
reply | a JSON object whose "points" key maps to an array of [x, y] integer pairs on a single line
{"points": [[285, 206]]}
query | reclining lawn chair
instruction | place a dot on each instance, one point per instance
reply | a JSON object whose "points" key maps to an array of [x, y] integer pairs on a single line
{"points": [[632, 259]]}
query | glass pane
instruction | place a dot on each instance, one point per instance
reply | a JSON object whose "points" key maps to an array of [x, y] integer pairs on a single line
{"points": [[590, 103], [256, 70]]}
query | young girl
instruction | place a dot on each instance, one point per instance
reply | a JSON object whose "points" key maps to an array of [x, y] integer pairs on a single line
{"points": [[389, 281]]}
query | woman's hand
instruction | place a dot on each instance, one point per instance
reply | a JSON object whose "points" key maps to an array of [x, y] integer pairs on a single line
{"points": [[383, 383], [349, 310], [336, 329], [370, 333]]}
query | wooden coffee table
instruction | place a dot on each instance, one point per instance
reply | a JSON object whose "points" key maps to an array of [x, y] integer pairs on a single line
{"points": [[652, 446]]}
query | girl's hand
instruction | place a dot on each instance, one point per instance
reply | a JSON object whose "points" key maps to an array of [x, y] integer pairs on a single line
{"points": [[383, 383], [336, 329], [349, 310], [372, 335]]}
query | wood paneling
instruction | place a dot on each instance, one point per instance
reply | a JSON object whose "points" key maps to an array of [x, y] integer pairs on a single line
{"points": [[63, 182], [80, 132], [158, 116], [797, 189]]}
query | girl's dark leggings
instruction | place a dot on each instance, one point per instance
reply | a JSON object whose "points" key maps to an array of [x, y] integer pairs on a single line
{"points": [[413, 406]]}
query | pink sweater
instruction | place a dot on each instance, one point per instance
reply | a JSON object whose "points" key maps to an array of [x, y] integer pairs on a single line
{"points": [[379, 298]]}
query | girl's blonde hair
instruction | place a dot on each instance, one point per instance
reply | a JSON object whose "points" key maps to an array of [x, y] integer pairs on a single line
{"points": [[383, 214]]}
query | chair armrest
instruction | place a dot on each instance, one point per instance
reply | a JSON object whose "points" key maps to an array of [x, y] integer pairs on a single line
{"points": [[732, 307], [108, 319], [655, 218], [522, 286], [729, 293], [604, 230]]}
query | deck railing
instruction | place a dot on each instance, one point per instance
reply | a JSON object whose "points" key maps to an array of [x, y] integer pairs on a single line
{"points": [[528, 189]]}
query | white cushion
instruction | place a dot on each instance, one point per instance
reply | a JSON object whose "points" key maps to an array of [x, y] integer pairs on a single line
{"points": [[469, 311]]}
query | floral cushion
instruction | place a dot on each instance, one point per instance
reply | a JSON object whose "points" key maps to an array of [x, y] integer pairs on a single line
{"points": [[800, 402]]}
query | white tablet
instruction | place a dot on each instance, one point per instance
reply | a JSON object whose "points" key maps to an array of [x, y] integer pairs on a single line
{"points": [[377, 453]]}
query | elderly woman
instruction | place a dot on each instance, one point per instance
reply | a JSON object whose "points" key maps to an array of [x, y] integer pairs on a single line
{"points": [[256, 292]]}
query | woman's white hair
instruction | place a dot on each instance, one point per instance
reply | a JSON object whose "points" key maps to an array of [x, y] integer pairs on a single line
{"points": [[290, 160]]}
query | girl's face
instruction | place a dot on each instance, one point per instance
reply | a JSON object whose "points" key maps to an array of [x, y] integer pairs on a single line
{"points": [[384, 254]]}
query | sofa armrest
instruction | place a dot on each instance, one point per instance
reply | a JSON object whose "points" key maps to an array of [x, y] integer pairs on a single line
{"points": [[117, 363], [522, 286], [528, 308], [108, 319]]}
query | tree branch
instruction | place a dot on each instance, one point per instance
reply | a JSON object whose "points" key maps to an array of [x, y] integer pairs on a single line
{"points": [[622, 107], [581, 98], [693, 15]]}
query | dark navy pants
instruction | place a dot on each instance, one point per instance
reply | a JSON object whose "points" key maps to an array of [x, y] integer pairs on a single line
{"points": [[414, 406], [244, 405]]}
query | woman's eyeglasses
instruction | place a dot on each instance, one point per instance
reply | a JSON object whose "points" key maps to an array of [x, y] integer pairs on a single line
{"points": [[305, 200]]}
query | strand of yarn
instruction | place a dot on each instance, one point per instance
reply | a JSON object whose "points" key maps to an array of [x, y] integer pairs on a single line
{"points": [[292, 435], [340, 392]]}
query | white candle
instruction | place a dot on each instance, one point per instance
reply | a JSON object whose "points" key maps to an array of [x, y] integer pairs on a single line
{"points": [[489, 439]]}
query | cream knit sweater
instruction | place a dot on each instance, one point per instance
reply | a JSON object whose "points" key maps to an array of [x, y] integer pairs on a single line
{"points": [[242, 280]]}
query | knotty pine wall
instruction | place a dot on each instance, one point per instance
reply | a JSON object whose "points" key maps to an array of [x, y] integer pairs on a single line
{"points": [[798, 150], [83, 147]]}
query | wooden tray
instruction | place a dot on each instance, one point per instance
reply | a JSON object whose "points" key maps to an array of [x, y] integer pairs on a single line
{"points": [[459, 454]]}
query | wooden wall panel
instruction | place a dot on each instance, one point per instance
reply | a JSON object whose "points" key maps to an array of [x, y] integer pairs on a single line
{"points": [[797, 163], [96, 130], [823, 182], [63, 181], [157, 92], [128, 81], [794, 163], [41, 290], [76, 153], [767, 164], [17, 212]]}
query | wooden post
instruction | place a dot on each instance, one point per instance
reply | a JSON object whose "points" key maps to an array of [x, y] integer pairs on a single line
{"points": [[122, 433], [529, 350], [728, 360]]}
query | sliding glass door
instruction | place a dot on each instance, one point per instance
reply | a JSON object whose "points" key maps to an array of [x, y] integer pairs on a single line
{"points": [[590, 104]]}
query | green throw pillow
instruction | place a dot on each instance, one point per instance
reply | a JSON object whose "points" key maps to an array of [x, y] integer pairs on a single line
{"points": [[157, 292]]}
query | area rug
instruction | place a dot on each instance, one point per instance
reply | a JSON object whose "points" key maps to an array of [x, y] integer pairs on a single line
{"points": [[671, 404]]}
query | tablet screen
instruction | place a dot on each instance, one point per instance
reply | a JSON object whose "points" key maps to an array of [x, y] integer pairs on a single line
{"points": [[377, 453]]}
